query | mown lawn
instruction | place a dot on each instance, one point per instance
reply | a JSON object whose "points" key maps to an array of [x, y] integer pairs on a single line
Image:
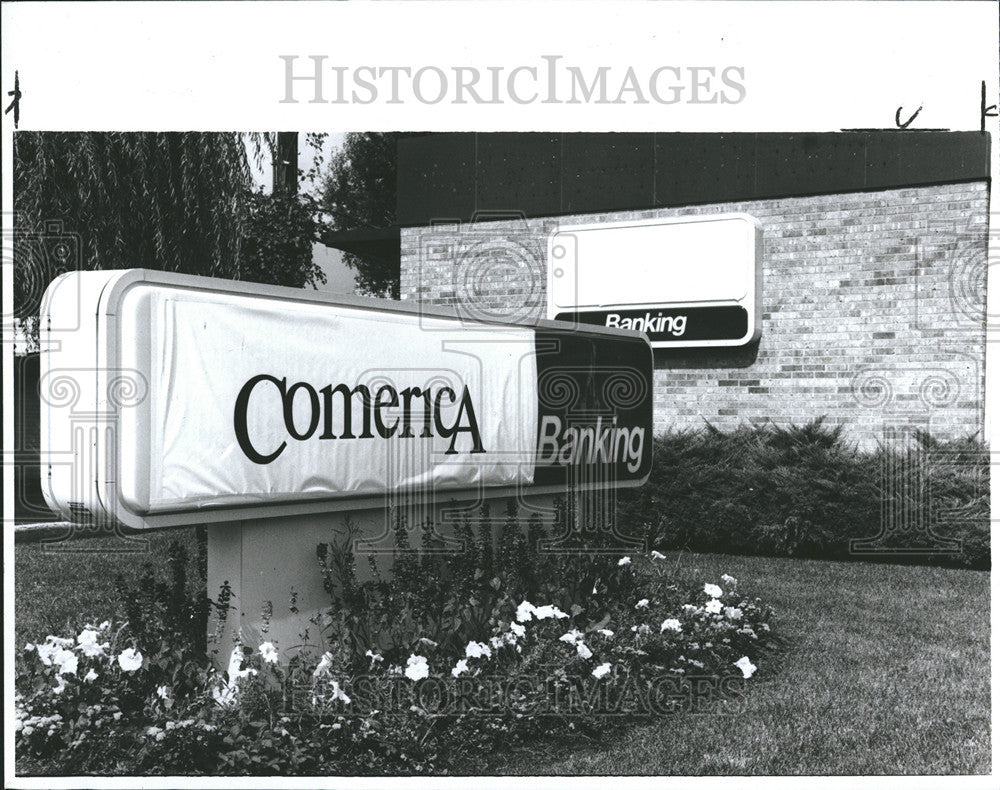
{"points": [[68, 583], [885, 670]]}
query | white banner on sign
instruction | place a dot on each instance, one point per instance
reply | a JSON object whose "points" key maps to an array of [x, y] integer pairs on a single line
{"points": [[211, 348]]}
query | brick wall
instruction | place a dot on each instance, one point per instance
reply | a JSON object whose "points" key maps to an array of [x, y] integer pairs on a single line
{"points": [[873, 308]]}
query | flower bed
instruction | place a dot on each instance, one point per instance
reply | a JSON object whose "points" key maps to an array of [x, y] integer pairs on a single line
{"points": [[640, 641]]}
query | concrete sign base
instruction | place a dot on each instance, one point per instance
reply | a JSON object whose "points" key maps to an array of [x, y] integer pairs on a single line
{"points": [[271, 566]]}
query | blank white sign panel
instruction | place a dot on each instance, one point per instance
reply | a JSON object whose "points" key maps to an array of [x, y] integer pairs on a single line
{"points": [[691, 260]]}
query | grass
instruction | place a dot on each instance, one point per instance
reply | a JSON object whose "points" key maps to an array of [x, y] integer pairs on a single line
{"points": [[886, 671], [61, 585], [886, 668]]}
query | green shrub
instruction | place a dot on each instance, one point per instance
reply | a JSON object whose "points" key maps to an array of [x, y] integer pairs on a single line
{"points": [[803, 491]]}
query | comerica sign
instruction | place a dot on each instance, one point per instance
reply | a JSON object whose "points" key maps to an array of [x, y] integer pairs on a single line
{"points": [[198, 400], [329, 400]]}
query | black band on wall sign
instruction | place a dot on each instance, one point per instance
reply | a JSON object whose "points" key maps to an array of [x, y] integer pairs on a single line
{"points": [[665, 325]]}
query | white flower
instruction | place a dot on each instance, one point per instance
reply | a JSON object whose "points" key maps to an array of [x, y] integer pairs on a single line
{"points": [[477, 650], [88, 644], [545, 612], [338, 692], [574, 637], [163, 692], [375, 657], [745, 666], [670, 624], [733, 613], [324, 665], [429, 642], [642, 628], [416, 667], [714, 606], [497, 642], [657, 556], [235, 662], [606, 632], [689, 608], [524, 612], [130, 659], [625, 561], [643, 604], [45, 652], [728, 579], [60, 686], [459, 668], [156, 732], [601, 671], [67, 661], [713, 590], [224, 695], [91, 675], [518, 629], [268, 652]]}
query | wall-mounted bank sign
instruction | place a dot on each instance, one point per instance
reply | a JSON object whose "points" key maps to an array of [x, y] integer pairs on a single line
{"points": [[684, 282], [178, 399]]}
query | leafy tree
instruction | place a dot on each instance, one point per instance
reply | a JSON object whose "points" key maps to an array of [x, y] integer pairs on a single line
{"points": [[359, 191], [277, 246], [175, 201]]}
